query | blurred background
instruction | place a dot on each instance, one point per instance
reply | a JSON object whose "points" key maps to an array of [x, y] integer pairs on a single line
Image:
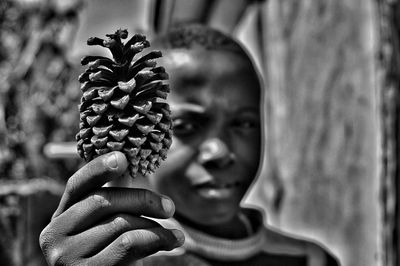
{"points": [[331, 70]]}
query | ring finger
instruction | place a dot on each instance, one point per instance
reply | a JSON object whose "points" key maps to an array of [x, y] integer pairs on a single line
{"points": [[98, 237]]}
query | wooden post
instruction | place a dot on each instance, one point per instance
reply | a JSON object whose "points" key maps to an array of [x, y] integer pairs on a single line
{"points": [[323, 123], [389, 84]]}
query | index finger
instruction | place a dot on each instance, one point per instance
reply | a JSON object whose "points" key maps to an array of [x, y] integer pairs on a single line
{"points": [[90, 177]]}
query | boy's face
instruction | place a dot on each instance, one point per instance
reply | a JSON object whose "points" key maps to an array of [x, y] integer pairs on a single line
{"points": [[215, 153]]}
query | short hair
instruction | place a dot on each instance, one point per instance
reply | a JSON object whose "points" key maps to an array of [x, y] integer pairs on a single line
{"points": [[190, 35]]}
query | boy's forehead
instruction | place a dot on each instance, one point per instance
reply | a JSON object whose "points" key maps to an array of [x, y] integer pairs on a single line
{"points": [[199, 66], [177, 58], [203, 58], [204, 76]]}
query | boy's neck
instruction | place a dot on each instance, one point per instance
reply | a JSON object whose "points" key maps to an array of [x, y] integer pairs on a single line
{"points": [[236, 228]]}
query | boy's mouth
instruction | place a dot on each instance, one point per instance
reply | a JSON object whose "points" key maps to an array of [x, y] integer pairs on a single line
{"points": [[217, 190], [215, 185]]}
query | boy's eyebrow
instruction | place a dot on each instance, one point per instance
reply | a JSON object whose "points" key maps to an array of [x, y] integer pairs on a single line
{"points": [[187, 107], [237, 110], [250, 109]]}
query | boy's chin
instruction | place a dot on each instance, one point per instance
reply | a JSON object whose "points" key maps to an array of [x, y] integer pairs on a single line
{"points": [[213, 216]]}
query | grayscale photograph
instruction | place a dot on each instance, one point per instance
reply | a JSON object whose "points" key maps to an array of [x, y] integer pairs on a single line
{"points": [[200, 132]]}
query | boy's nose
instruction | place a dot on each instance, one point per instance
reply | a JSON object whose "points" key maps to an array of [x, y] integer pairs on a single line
{"points": [[214, 154]]}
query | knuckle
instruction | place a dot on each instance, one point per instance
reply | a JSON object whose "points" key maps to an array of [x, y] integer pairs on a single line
{"points": [[47, 242], [127, 242], [49, 237], [55, 257], [118, 223], [71, 185], [45, 239], [62, 256], [99, 201], [86, 262], [56, 249], [134, 242]]}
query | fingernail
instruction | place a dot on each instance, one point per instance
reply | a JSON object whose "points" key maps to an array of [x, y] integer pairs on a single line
{"points": [[180, 237], [168, 205], [112, 161]]}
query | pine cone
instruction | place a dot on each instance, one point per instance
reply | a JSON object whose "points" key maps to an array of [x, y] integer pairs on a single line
{"points": [[120, 108]]}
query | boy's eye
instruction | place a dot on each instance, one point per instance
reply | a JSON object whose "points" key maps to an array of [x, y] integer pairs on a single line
{"points": [[183, 127], [246, 123]]}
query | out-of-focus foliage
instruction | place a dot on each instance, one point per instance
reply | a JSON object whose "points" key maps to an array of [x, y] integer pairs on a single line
{"points": [[39, 91], [39, 94]]}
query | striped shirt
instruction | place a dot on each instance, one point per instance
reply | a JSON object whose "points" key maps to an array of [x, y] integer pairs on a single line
{"points": [[267, 246]]}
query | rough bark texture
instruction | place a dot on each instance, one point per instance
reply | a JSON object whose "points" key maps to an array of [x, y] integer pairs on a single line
{"points": [[389, 84], [322, 129], [38, 86]]}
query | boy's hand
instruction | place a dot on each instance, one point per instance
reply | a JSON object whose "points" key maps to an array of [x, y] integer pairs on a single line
{"points": [[94, 225]]}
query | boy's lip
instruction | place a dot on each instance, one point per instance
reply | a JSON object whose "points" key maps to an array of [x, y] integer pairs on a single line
{"points": [[214, 190], [218, 185]]}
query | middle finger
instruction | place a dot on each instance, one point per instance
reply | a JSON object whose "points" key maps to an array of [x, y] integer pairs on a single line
{"points": [[107, 202]]}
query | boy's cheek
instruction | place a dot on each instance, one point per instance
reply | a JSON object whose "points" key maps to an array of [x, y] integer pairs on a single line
{"points": [[179, 156], [193, 141], [249, 146]]}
